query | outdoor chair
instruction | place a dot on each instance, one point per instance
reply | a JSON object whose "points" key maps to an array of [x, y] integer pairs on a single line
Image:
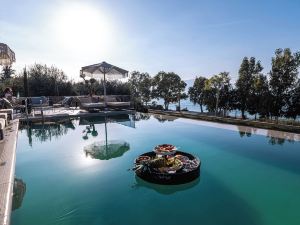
{"points": [[39, 101], [67, 101]]}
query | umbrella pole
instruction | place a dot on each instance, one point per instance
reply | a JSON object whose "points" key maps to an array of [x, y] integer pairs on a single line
{"points": [[104, 89], [105, 134]]}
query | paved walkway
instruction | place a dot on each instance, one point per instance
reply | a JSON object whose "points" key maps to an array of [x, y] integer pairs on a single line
{"points": [[7, 170]]}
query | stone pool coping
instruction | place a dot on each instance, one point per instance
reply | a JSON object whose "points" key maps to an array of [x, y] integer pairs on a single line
{"points": [[235, 127], [232, 121], [7, 170]]}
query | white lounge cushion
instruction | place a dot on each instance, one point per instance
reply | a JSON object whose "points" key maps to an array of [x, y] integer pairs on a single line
{"points": [[2, 123], [92, 105], [4, 116], [118, 104]]}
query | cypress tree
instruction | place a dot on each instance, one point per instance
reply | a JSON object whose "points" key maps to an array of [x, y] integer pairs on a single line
{"points": [[249, 68]]}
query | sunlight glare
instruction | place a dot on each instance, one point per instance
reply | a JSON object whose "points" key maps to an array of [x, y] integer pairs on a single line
{"points": [[81, 26]]}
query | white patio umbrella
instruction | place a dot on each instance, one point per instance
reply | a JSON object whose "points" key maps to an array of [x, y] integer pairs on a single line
{"points": [[7, 56], [101, 70]]}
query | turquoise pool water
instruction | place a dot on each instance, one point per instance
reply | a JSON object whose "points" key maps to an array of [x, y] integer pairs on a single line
{"points": [[245, 179]]}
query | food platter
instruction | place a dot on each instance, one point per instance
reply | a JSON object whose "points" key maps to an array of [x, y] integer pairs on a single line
{"points": [[172, 166], [165, 149], [179, 168]]}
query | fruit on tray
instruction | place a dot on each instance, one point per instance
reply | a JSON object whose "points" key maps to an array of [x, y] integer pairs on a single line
{"points": [[165, 148], [157, 162], [177, 164], [172, 165], [142, 158], [182, 158], [190, 165]]}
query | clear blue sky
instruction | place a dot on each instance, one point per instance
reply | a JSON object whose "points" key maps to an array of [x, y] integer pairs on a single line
{"points": [[187, 37]]}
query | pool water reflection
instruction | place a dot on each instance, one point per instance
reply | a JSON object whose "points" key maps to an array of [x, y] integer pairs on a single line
{"points": [[245, 178]]}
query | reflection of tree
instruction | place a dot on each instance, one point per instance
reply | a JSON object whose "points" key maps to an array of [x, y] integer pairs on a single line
{"points": [[141, 116], [163, 118], [275, 137], [279, 137], [276, 141], [19, 193], [46, 131], [248, 131]]}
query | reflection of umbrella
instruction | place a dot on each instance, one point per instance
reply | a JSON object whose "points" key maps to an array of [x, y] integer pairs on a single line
{"points": [[7, 56], [107, 150], [100, 70]]}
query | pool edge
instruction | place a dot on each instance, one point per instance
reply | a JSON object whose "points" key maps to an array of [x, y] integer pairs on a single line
{"points": [[8, 157]]}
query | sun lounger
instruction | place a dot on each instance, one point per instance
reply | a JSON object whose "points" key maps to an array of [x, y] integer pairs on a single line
{"points": [[88, 104], [9, 113], [114, 102], [118, 104], [2, 126], [4, 116]]}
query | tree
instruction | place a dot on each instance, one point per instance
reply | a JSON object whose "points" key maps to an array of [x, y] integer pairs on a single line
{"points": [[169, 87], [196, 92], [259, 99], [140, 87], [293, 109], [25, 83], [217, 92], [113, 87], [47, 81], [145, 88], [283, 78], [248, 69], [181, 93], [7, 72]]}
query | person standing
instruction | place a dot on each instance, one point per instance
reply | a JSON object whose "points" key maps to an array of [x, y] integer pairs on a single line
{"points": [[8, 94]]}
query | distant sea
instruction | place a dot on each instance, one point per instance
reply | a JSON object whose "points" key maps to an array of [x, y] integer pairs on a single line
{"points": [[196, 108], [190, 106]]}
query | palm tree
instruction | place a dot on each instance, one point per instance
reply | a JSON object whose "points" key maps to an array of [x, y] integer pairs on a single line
{"points": [[7, 72]]}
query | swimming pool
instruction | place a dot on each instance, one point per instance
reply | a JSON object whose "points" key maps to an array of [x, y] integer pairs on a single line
{"points": [[245, 178]]}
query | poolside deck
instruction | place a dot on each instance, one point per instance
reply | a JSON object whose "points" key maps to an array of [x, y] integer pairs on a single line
{"points": [[7, 170]]}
